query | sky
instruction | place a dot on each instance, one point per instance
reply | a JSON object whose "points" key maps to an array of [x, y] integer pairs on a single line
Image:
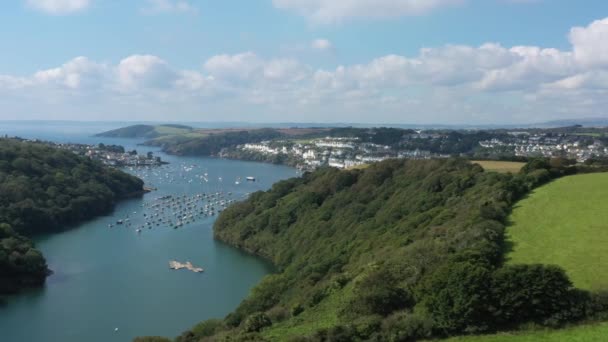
{"points": [[359, 61]]}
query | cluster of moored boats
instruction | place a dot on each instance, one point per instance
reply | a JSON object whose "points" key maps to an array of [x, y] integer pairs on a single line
{"points": [[177, 211]]}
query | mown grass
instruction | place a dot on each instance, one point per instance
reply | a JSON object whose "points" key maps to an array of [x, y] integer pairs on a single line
{"points": [[499, 166], [583, 333], [565, 223]]}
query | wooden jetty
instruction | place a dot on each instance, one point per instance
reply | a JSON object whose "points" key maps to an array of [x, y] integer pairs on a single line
{"points": [[176, 265]]}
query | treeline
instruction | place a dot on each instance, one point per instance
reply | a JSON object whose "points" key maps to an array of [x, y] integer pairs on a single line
{"points": [[400, 251], [45, 189]]}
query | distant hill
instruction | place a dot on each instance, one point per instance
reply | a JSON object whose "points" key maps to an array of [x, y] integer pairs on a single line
{"points": [[585, 122], [146, 131]]}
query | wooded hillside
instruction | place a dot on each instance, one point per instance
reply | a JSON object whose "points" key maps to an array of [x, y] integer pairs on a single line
{"points": [[45, 189]]}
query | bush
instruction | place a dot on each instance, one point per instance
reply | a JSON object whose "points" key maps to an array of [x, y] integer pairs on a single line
{"points": [[377, 294], [457, 298], [256, 322], [535, 293], [278, 314], [365, 326], [405, 327], [297, 309], [208, 328], [338, 333]]}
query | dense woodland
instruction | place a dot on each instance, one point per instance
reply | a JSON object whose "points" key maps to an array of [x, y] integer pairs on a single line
{"points": [[45, 189], [400, 251]]}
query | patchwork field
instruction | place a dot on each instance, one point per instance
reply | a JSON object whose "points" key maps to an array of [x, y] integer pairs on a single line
{"points": [[565, 223], [584, 333], [499, 166]]}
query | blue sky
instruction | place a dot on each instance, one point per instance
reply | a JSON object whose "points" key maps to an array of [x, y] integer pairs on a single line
{"points": [[397, 61]]}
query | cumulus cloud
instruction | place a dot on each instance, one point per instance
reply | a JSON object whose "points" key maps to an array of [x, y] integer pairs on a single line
{"points": [[59, 6], [589, 43], [451, 83], [80, 72], [328, 11], [144, 71], [241, 66]]}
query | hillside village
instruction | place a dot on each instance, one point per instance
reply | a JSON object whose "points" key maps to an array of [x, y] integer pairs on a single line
{"points": [[523, 144], [111, 155], [347, 152], [114, 155], [339, 152]]}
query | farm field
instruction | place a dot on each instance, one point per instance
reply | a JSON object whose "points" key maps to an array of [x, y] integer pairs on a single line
{"points": [[499, 166], [565, 223], [583, 333]]}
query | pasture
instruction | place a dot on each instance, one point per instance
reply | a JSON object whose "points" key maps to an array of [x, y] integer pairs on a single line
{"points": [[565, 223]]}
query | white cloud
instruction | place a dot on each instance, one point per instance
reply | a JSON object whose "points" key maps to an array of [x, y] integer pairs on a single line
{"points": [[452, 83], [591, 43], [145, 71], [321, 44], [233, 67], [80, 72], [328, 11], [168, 6], [59, 6]]}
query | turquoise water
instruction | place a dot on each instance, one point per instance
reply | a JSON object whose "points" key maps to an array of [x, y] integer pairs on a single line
{"points": [[107, 278]]}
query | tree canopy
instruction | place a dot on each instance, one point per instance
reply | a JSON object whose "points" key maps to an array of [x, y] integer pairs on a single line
{"points": [[398, 251], [45, 189]]}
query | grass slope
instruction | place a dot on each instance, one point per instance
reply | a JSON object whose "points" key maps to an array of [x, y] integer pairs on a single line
{"points": [[584, 333], [565, 223]]}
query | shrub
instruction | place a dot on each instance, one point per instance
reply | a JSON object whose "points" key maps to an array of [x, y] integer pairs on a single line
{"points": [[256, 322], [457, 298], [365, 326], [537, 293], [208, 328], [377, 294], [405, 327]]}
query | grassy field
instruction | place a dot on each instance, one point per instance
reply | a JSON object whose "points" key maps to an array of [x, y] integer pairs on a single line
{"points": [[499, 166], [565, 223], [584, 333]]}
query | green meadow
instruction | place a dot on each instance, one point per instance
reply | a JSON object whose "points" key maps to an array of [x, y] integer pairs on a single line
{"points": [[565, 223]]}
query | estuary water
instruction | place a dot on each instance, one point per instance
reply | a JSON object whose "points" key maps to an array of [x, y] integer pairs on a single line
{"points": [[114, 283]]}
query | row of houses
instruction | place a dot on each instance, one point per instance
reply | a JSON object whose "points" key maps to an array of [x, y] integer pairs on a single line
{"points": [[339, 152]]}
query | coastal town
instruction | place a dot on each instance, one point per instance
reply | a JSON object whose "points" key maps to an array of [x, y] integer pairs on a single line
{"points": [[349, 152], [339, 152], [111, 155], [523, 144]]}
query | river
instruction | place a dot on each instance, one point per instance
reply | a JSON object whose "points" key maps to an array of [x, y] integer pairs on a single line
{"points": [[112, 284]]}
